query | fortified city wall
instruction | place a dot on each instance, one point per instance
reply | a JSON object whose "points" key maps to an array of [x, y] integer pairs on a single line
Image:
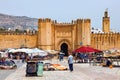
{"points": [[17, 40], [52, 35], [104, 41]]}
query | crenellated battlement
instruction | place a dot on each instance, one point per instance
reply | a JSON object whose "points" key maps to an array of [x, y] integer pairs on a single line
{"points": [[54, 21], [87, 20], [111, 33], [83, 20], [63, 23], [79, 20], [18, 33], [44, 20]]}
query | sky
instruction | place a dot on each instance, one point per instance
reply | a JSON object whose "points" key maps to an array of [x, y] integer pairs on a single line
{"points": [[65, 10]]}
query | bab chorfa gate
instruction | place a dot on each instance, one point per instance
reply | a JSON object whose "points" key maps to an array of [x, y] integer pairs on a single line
{"points": [[52, 35]]}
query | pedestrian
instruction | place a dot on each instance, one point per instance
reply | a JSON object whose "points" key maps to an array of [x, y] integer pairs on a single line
{"points": [[108, 63], [18, 58], [70, 62], [31, 56], [61, 56], [11, 56], [23, 58]]}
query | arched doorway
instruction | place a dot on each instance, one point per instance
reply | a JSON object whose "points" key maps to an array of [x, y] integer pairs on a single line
{"points": [[64, 48]]}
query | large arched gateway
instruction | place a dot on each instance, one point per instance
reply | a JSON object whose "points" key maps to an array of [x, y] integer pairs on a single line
{"points": [[64, 49], [63, 36], [64, 45]]}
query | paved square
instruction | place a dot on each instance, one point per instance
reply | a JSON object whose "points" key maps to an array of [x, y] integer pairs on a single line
{"points": [[81, 72]]}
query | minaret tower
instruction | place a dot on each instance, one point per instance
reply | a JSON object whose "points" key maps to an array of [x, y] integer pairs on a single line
{"points": [[106, 22]]}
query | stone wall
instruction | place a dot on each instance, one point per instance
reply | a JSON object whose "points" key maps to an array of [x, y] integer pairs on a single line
{"points": [[17, 41], [104, 41]]}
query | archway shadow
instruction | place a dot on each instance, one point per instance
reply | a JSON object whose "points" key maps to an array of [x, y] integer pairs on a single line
{"points": [[64, 48]]}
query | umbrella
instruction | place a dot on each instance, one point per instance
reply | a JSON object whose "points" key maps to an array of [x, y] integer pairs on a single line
{"points": [[21, 50], [84, 49], [12, 50], [39, 52], [3, 54], [34, 51]]}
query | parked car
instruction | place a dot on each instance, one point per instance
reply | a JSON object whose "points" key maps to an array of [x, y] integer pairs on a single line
{"points": [[7, 64]]}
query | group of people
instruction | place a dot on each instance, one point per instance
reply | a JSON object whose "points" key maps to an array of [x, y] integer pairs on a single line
{"points": [[23, 57], [81, 57]]}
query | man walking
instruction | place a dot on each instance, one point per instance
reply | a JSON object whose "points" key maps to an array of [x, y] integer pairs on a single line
{"points": [[61, 56], [70, 62]]}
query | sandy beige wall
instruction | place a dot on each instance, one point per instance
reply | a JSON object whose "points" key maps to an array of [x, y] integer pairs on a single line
{"points": [[105, 41], [16, 41]]}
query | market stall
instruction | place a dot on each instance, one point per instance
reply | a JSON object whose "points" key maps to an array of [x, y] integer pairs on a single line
{"points": [[85, 53], [114, 58]]}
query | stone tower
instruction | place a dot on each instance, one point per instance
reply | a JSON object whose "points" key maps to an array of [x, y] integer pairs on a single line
{"points": [[45, 34], [106, 22], [83, 32]]}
